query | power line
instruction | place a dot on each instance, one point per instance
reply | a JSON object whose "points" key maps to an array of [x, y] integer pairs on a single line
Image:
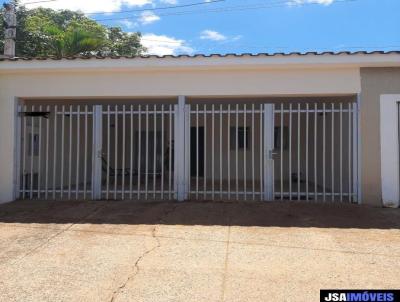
{"points": [[227, 9], [157, 8], [41, 1], [139, 9]]}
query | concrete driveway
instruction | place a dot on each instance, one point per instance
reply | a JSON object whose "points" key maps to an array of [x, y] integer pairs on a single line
{"points": [[193, 251]]}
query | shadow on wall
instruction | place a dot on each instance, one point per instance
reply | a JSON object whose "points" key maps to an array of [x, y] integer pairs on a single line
{"points": [[251, 214]]}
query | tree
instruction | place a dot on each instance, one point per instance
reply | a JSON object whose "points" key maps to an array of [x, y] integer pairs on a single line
{"points": [[122, 43], [48, 32]]}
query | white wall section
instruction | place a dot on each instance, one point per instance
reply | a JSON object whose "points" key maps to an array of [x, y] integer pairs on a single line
{"points": [[389, 117]]}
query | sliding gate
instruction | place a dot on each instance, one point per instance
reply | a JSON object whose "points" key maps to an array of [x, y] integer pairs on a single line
{"points": [[198, 151]]}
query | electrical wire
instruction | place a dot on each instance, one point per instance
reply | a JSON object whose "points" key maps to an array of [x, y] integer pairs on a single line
{"points": [[226, 9], [41, 1], [158, 8]]}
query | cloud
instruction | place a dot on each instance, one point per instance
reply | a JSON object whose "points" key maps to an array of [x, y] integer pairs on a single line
{"points": [[127, 23], [88, 6], [236, 38], [212, 35], [301, 2], [148, 17], [163, 45], [169, 1]]}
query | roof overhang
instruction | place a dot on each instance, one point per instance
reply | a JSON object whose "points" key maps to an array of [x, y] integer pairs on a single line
{"points": [[201, 62]]}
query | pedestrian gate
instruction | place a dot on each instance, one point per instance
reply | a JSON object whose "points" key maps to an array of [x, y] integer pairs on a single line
{"points": [[201, 151]]}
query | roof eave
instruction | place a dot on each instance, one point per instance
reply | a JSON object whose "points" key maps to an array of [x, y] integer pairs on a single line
{"points": [[245, 61]]}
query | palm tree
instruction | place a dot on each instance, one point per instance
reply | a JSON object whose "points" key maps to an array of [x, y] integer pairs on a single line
{"points": [[72, 41]]}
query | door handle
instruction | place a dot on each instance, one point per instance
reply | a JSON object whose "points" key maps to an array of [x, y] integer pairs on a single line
{"points": [[271, 154]]}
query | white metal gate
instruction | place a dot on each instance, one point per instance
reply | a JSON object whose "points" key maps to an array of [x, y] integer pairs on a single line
{"points": [[55, 152], [203, 151], [137, 155], [230, 148], [316, 151]]}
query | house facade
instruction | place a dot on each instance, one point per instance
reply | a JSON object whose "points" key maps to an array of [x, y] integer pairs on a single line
{"points": [[315, 126]]}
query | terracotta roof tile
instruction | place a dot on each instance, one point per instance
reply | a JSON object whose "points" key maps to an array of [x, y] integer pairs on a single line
{"points": [[87, 57]]}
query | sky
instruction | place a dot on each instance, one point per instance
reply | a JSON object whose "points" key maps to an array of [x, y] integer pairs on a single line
{"points": [[248, 26]]}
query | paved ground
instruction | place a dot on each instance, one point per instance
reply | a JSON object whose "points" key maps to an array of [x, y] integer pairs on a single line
{"points": [[126, 251]]}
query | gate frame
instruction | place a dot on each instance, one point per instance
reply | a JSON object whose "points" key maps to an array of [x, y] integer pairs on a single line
{"points": [[17, 148], [269, 125], [97, 150], [357, 189], [182, 146]]}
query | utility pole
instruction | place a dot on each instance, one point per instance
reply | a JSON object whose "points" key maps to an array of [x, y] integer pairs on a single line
{"points": [[10, 30]]}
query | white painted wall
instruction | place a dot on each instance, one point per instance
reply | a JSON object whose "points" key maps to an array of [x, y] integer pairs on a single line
{"points": [[389, 122], [81, 84]]}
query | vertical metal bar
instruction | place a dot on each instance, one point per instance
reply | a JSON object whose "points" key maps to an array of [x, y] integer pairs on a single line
{"points": [[298, 149], [62, 152], [349, 108], [237, 152], [154, 150], [187, 146], [315, 151], [116, 152], [96, 151], [307, 147], [176, 147], [268, 149], [108, 151], [47, 155], [85, 156], [162, 151], [261, 152], [78, 147], [70, 152], [17, 150], [205, 152], [290, 151], [139, 143], [131, 155], [220, 152], [324, 150], [55, 151], [244, 151], [32, 152], [281, 151], [197, 151], [181, 150], [146, 173], [24, 150], [252, 153], [40, 155], [170, 153], [229, 150], [341, 153], [332, 153], [357, 153], [212, 150], [123, 150], [355, 144]]}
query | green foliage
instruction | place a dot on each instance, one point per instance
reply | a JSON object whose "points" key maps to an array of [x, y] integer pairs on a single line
{"points": [[47, 32]]}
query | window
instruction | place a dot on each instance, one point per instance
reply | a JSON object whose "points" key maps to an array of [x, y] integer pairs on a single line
{"points": [[243, 136]]}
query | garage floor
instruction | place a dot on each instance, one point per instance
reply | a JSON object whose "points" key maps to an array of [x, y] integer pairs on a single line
{"points": [[193, 251]]}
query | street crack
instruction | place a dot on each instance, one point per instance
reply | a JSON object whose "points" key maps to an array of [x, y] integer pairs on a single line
{"points": [[136, 267]]}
